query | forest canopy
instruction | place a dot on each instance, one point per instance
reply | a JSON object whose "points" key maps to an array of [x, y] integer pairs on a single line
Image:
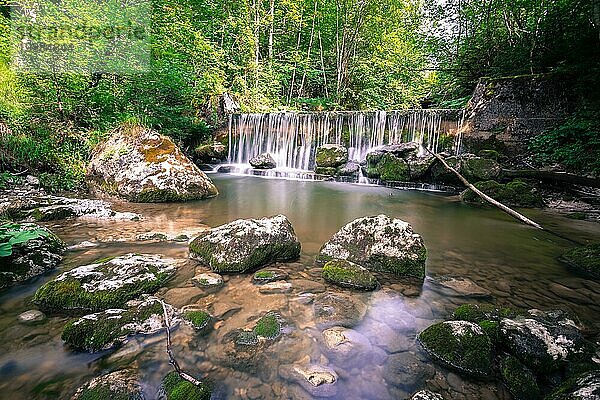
{"points": [[279, 54]]}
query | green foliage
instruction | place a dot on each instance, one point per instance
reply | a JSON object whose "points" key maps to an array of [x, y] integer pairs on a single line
{"points": [[15, 234], [584, 260], [574, 144]]}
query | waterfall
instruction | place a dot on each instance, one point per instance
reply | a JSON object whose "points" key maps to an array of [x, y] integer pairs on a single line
{"points": [[292, 138]]}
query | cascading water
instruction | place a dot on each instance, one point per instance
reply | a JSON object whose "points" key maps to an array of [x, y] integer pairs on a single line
{"points": [[292, 138]]}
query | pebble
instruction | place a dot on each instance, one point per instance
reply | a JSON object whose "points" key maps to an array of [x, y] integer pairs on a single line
{"points": [[31, 317]]}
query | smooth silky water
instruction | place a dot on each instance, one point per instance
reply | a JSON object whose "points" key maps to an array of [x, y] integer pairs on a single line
{"points": [[516, 263]]}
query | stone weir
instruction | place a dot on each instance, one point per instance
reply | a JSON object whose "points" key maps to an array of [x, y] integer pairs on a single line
{"points": [[291, 139]]}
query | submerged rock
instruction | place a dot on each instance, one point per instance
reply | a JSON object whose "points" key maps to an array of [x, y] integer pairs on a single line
{"points": [[199, 319], [32, 317], [459, 286], [343, 343], [105, 329], [317, 380], [339, 309], [407, 371], [263, 161], [378, 243], [519, 379], [175, 387], [27, 250], [583, 387], [207, 280], [140, 165], [460, 345], [515, 194], [105, 284], [584, 260], [118, 385], [349, 275], [275, 288], [331, 155], [246, 244], [544, 341], [269, 275]]}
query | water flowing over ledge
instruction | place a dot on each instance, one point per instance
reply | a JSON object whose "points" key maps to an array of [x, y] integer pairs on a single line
{"points": [[292, 138]]}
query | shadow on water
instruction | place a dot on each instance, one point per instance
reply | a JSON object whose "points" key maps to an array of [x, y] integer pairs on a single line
{"points": [[509, 263]]}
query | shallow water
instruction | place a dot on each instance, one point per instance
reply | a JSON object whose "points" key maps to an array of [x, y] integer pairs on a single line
{"points": [[515, 263]]}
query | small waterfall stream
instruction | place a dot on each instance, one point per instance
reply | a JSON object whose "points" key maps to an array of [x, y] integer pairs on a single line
{"points": [[292, 138]]}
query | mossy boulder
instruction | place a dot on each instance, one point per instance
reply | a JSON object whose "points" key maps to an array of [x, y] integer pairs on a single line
{"points": [[269, 275], [459, 345], [329, 171], [263, 161], [584, 260], [440, 174], [387, 167], [348, 169], [479, 169], [27, 250], [175, 387], [481, 312], [139, 164], [331, 155], [246, 244], [585, 386], [106, 329], [210, 153], [489, 154], [349, 275], [199, 319], [118, 385], [378, 243], [515, 194], [268, 327], [521, 382], [544, 342], [420, 166], [105, 284]]}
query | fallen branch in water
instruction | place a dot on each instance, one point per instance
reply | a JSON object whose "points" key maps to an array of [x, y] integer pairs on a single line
{"points": [[484, 196], [172, 359]]}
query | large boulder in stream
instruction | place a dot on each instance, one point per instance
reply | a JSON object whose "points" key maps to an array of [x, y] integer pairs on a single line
{"points": [[108, 283], [210, 153], [27, 250], [139, 164], [585, 386], [106, 329], [331, 155], [514, 194], [263, 161], [246, 244], [461, 345], [378, 243]]}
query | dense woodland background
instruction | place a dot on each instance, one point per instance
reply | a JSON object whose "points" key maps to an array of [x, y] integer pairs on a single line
{"points": [[303, 55]]}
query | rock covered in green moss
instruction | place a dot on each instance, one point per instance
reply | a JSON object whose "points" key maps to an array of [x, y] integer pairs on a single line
{"points": [[378, 243], [118, 385], [387, 167], [349, 275], [479, 169], [516, 194], [105, 284], [331, 155], [269, 275], [27, 250], [105, 329], [348, 169], [329, 171], [420, 165], [489, 154], [543, 341], [268, 326], [481, 312], [585, 386], [210, 153], [584, 260], [177, 388], [442, 175], [246, 244], [519, 379], [199, 319], [460, 345], [207, 280], [263, 161], [141, 165]]}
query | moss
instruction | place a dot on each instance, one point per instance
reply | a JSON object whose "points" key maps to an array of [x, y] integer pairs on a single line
{"points": [[492, 329], [199, 319], [392, 168], [469, 353], [107, 391], [159, 150], [261, 275], [519, 379], [578, 215], [346, 274], [489, 154], [584, 260], [326, 171], [69, 295], [477, 169], [246, 338], [262, 255], [268, 326], [331, 157], [177, 388], [516, 193], [401, 267]]}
